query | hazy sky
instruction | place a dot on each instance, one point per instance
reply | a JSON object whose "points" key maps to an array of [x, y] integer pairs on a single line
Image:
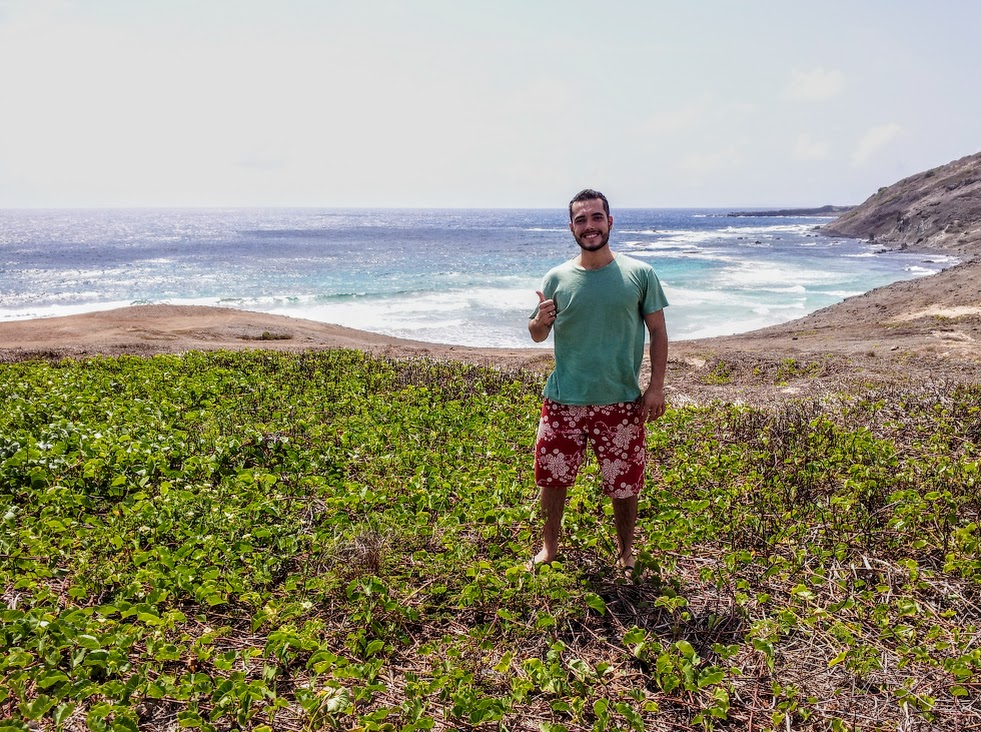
{"points": [[510, 103]]}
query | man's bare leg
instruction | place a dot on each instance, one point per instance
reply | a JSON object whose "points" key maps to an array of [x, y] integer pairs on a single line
{"points": [[553, 506], [625, 520]]}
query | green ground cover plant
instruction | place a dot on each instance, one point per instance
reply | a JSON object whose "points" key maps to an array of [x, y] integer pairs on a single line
{"points": [[331, 540]]}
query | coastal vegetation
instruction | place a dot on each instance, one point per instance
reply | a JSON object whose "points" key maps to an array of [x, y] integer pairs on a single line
{"points": [[332, 540]]}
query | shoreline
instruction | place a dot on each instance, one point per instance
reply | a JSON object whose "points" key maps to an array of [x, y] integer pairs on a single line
{"points": [[929, 327]]}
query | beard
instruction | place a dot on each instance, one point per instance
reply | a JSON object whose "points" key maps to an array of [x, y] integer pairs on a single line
{"points": [[594, 246]]}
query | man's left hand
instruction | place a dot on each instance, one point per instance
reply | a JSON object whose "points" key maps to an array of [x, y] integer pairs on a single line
{"points": [[652, 404]]}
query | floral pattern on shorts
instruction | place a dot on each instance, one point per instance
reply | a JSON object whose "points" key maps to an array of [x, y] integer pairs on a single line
{"points": [[616, 433]]}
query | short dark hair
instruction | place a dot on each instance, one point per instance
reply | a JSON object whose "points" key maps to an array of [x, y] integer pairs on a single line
{"points": [[588, 194]]}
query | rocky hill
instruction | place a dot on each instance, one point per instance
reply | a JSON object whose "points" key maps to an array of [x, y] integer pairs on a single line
{"points": [[938, 209]]}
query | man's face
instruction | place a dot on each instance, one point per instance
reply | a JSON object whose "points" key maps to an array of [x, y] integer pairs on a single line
{"points": [[590, 225]]}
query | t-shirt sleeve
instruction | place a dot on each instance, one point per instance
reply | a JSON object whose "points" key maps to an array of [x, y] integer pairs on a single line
{"points": [[654, 298]]}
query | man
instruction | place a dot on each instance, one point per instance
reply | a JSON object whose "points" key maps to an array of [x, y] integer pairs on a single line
{"points": [[599, 305]]}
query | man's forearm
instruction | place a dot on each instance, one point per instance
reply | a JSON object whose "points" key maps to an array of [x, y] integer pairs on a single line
{"points": [[659, 358], [539, 331]]}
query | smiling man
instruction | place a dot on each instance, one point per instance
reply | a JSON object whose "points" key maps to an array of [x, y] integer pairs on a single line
{"points": [[600, 305]]}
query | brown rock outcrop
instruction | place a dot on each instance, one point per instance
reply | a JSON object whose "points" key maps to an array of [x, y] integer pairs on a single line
{"points": [[939, 209]]}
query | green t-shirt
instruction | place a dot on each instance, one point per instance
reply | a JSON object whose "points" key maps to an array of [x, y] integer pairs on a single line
{"points": [[599, 330]]}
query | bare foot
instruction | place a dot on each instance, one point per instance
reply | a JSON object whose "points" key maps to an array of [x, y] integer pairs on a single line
{"points": [[543, 557]]}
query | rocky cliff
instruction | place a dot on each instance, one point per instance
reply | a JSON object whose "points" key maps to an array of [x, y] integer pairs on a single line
{"points": [[938, 209]]}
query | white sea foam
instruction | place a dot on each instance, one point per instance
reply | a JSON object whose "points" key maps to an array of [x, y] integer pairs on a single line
{"points": [[476, 316], [57, 310], [768, 229], [661, 245], [688, 253], [758, 275], [796, 289]]}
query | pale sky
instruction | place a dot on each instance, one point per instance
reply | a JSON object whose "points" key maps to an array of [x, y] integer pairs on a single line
{"points": [[473, 103]]}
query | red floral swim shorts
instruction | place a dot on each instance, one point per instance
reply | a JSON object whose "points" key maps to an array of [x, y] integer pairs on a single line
{"points": [[616, 433]]}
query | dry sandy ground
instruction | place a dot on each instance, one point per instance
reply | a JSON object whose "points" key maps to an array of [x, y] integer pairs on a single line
{"points": [[922, 331]]}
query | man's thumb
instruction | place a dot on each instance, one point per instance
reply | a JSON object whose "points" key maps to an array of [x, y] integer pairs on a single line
{"points": [[541, 296]]}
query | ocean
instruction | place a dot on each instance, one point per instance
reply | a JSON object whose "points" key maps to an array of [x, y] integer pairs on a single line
{"points": [[454, 276]]}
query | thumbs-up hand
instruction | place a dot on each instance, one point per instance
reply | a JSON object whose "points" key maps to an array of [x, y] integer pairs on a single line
{"points": [[541, 325], [546, 310]]}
